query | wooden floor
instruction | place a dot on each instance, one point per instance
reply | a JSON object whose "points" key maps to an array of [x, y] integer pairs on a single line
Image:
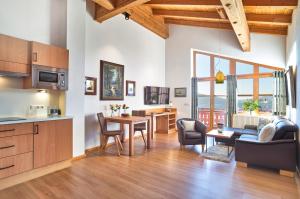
{"points": [[163, 172]]}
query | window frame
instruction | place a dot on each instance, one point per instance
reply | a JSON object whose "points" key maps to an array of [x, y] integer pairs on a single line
{"points": [[256, 75]]}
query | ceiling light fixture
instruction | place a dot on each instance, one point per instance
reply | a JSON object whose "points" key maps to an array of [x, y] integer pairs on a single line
{"points": [[127, 15]]}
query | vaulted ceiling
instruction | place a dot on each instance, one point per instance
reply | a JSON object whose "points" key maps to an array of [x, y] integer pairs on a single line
{"points": [[241, 16]]}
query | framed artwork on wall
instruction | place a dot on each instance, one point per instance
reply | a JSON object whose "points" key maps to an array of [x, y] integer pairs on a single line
{"points": [[180, 92], [111, 81], [90, 86], [130, 88]]}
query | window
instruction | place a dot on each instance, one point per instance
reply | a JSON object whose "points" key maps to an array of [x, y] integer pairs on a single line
{"points": [[202, 65], [265, 70], [221, 64], [243, 68], [266, 85], [245, 86], [265, 94], [204, 102], [250, 86]]}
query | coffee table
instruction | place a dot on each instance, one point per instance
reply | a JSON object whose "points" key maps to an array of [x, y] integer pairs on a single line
{"points": [[215, 134]]}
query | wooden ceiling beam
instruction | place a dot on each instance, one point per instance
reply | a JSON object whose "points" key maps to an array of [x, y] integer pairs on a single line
{"points": [[270, 18], [198, 23], [107, 4], [277, 30], [281, 3], [214, 16], [237, 17], [183, 13], [143, 16], [121, 6]]}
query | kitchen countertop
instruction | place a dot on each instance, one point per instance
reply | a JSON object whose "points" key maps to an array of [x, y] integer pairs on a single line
{"points": [[37, 119]]}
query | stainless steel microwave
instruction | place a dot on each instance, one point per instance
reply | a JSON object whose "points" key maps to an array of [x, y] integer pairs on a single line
{"points": [[49, 78]]}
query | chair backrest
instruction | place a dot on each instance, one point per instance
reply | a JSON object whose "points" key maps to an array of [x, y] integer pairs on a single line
{"points": [[102, 123], [141, 113]]}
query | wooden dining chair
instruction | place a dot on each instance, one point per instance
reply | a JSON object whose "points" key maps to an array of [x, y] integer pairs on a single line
{"points": [[106, 134], [140, 127]]}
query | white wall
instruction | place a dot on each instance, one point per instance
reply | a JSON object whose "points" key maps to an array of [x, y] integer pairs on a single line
{"points": [[293, 59], [75, 94], [43, 21], [127, 43], [265, 49]]}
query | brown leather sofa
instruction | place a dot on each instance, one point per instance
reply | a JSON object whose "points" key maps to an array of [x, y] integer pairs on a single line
{"points": [[280, 153], [191, 137]]}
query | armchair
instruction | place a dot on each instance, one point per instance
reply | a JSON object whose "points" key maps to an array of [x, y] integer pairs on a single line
{"points": [[191, 137]]}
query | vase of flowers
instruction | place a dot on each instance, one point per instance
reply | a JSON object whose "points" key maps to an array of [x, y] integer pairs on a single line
{"points": [[125, 107], [113, 109]]}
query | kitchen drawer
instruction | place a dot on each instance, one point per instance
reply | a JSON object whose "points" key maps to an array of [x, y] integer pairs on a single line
{"points": [[16, 129], [16, 164], [15, 145]]}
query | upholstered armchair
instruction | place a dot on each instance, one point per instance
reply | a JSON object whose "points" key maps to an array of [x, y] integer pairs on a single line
{"points": [[191, 137]]}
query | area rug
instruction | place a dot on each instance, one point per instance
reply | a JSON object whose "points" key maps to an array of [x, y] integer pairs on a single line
{"points": [[218, 153]]}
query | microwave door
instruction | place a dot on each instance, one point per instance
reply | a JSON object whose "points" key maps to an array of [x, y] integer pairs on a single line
{"points": [[47, 79]]}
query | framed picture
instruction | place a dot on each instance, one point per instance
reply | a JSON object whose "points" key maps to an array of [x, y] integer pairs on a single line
{"points": [[112, 81], [180, 92], [130, 88], [90, 86]]}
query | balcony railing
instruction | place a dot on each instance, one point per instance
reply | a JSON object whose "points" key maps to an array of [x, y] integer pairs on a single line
{"points": [[218, 117]]}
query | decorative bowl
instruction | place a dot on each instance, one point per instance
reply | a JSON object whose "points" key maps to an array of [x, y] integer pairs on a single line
{"points": [[125, 115]]}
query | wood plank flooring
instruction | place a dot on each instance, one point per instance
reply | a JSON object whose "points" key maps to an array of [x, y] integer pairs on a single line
{"points": [[164, 171]]}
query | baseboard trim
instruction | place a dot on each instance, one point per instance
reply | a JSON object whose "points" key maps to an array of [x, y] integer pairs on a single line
{"points": [[32, 174], [79, 157]]}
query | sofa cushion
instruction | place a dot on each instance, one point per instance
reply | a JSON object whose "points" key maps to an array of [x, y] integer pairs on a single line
{"points": [[192, 135], [248, 137], [267, 133], [261, 123], [188, 125], [238, 132]]}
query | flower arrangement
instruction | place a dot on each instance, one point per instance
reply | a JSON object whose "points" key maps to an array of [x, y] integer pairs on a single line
{"points": [[125, 107], [114, 108], [117, 107]]}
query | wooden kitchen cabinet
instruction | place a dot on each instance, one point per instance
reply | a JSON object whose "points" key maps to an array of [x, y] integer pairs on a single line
{"points": [[14, 55], [52, 142], [63, 140], [49, 55]]}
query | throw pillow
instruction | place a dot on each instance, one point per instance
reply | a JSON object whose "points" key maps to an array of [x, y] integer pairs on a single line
{"points": [[267, 133], [261, 123], [189, 125]]}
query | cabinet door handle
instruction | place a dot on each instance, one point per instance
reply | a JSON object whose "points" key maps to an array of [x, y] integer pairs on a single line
{"points": [[36, 130], [6, 147], [7, 130], [7, 167], [34, 57]]}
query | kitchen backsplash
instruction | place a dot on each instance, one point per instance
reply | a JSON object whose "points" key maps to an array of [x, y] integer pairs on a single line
{"points": [[15, 101]]}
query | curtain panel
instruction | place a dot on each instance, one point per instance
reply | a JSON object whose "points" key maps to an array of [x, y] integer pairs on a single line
{"points": [[231, 102], [194, 98], [279, 93]]}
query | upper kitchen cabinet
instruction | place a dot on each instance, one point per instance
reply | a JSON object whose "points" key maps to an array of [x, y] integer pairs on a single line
{"points": [[14, 56], [49, 55]]}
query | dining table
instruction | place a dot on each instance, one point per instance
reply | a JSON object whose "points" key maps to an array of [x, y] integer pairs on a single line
{"points": [[131, 121]]}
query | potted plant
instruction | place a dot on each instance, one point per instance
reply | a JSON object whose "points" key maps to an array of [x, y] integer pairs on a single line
{"points": [[113, 109], [251, 105]]}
